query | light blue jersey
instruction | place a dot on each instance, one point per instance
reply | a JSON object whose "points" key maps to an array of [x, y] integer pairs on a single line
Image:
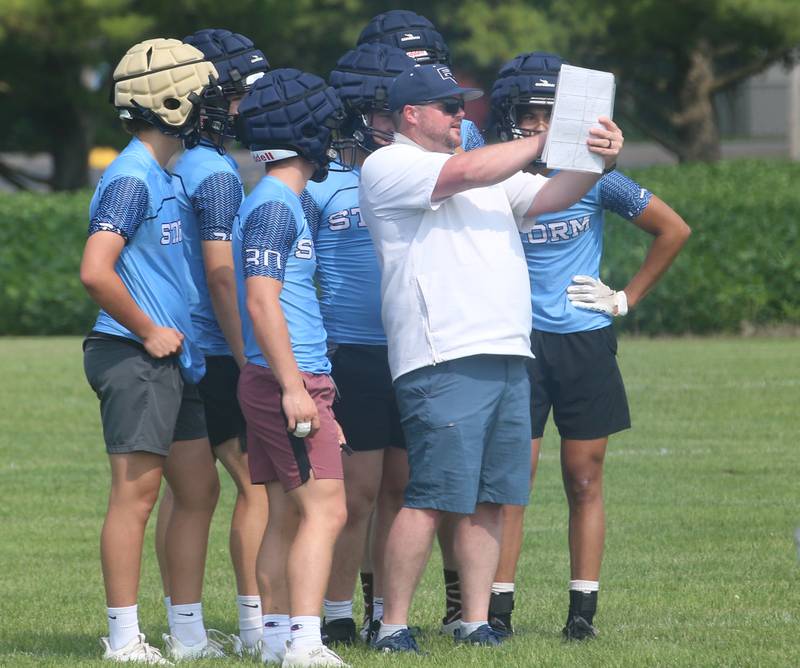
{"points": [[348, 273], [564, 244], [471, 137], [272, 238], [135, 200], [209, 192]]}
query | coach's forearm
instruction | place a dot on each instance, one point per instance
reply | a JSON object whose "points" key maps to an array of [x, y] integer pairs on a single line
{"points": [[271, 330], [486, 166]]}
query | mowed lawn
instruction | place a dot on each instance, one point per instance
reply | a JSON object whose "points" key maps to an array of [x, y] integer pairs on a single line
{"points": [[703, 499]]}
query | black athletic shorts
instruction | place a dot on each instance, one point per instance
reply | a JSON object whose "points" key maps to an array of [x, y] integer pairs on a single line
{"points": [[577, 376], [366, 407], [218, 390], [145, 405]]}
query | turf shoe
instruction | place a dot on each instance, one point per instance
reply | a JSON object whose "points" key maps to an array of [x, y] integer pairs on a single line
{"points": [[484, 635], [577, 628], [500, 608], [136, 651], [399, 641], [311, 656], [339, 631]]}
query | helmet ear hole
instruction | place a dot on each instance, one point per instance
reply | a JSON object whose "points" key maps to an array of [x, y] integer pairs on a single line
{"points": [[309, 130], [172, 104]]}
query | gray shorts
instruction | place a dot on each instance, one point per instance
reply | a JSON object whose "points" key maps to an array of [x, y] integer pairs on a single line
{"points": [[467, 426], [145, 405]]}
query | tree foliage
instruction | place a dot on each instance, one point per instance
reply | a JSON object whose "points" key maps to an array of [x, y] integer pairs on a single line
{"points": [[670, 57]]}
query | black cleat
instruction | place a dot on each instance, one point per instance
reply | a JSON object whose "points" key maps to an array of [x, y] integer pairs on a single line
{"points": [[500, 607], [577, 628], [370, 630], [501, 624], [339, 631]]}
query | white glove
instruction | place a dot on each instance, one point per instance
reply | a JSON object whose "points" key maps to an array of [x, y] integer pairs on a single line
{"points": [[594, 295]]}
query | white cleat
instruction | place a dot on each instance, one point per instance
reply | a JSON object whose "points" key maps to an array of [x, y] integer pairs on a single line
{"points": [[212, 648], [267, 655], [308, 657], [137, 650], [242, 650]]}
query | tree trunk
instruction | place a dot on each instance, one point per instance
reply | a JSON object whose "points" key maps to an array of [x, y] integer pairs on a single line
{"points": [[70, 150], [696, 124]]}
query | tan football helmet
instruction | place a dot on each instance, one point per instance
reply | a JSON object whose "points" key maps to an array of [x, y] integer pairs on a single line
{"points": [[160, 81]]}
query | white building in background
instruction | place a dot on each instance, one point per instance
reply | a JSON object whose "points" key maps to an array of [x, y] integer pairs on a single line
{"points": [[760, 107]]}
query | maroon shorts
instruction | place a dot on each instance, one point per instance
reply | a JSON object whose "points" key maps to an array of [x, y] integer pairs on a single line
{"points": [[274, 453]]}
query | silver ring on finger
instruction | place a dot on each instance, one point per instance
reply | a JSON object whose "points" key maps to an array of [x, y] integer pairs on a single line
{"points": [[610, 143]]}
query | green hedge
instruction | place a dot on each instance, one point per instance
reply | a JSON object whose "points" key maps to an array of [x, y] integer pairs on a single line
{"points": [[741, 264], [41, 240]]}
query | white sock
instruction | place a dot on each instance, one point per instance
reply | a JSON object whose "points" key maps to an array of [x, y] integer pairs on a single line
{"points": [[168, 606], [306, 631], [188, 624], [468, 627], [387, 630], [377, 608], [276, 632], [123, 626], [586, 586], [502, 587], [337, 609], [249, 619]]}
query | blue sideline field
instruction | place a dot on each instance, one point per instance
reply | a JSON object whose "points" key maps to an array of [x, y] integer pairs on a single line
{"points": [[703, 499]]}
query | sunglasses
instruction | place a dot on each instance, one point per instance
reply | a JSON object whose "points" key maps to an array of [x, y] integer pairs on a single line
{"points": [[449, 105]]}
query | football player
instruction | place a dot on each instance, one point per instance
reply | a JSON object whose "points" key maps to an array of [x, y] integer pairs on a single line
{"points": [[209, 192], [288, 121], [141, 357], [575, 373]]}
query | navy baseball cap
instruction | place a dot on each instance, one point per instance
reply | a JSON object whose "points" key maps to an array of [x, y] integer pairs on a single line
{"points": [[425, 83]]}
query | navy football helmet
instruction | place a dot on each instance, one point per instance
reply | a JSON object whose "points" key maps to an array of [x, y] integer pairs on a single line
{"points": [[409, 31], [291, 113], [239, 65], [362, 78], [528, 79]]}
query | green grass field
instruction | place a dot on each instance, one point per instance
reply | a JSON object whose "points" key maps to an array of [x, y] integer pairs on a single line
{"points": [[703, 498]]}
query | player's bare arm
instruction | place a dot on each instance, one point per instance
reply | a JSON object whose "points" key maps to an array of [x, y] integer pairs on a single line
{"points": [[272, 334], [221, 280], [99, 277], [670, 232]]}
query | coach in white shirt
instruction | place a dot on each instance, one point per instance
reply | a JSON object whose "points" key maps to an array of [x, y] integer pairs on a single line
{"points": [[457, 314]]}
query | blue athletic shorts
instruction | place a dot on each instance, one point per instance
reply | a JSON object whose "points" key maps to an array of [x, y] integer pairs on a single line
{"points": [[468, 433]]}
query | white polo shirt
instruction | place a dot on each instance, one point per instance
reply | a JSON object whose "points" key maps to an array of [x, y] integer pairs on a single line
{"points": [[454, 281]]}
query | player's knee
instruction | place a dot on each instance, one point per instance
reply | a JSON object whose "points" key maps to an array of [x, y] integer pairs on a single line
{"points": [[360, 501], [202, 496], [584, 489]]}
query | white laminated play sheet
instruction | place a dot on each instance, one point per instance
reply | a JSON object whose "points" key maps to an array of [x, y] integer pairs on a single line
{"points": [[582, 96]]}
